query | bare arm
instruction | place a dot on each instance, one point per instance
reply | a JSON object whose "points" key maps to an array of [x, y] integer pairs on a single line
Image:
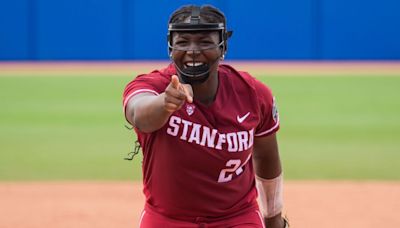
{"points": [[149, 113], [267, 165]]}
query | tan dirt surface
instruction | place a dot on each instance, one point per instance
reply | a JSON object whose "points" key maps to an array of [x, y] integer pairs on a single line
{"points": [[308, 204], [132, 68]]}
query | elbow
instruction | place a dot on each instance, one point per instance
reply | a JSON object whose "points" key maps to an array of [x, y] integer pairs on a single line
{"points": [[143, 129], [139, 122], [135, 120]]}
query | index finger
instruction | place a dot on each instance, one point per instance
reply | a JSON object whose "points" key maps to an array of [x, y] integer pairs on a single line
{"points": [[175, 81], [187, 90]]}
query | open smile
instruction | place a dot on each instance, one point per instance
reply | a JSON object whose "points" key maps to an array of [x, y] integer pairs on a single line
{"points": [[193, 64]]}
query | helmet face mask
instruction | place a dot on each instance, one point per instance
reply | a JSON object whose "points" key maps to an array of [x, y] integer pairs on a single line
{"points": [[195, 54], [200, 47], [193, 24]]}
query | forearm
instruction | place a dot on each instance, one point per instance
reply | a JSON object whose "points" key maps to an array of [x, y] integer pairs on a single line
{"points": [[271, 201], [269, 180], [149, 113]]}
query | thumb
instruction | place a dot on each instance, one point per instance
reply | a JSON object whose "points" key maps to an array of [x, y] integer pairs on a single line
{"points": [[187, 89], [175, 82]]}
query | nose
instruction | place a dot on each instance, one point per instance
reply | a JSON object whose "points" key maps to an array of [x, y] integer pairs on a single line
{"points": [[193, 49], [193, 52]]}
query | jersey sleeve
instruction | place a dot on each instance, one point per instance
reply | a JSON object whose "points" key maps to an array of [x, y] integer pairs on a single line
{"points": [[147, 83], [269, 116]]}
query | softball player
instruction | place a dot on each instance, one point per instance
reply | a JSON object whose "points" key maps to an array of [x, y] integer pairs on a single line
{"points": [[207, 132]]}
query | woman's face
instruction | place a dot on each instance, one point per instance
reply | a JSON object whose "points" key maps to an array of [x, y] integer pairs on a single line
{"points": [[195, 49]]}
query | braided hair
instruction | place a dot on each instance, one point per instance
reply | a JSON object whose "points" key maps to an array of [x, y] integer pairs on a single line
{"points": [[208, 13]]}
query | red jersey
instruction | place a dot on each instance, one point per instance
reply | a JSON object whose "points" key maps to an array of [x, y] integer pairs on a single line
{"points": [[198, 165]]}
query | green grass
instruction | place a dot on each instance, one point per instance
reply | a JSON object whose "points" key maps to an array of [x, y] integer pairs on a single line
{"points": [[64, 128], [72, 128], [339, 127]]}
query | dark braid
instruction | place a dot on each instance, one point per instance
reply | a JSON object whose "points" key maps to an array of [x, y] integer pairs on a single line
{"points": [[208, 14]]}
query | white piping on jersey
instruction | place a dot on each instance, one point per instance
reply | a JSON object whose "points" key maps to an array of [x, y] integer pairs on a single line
{"points": [[240, 169], [261, 218], [141, 218], [136, 93], [269, 130]]}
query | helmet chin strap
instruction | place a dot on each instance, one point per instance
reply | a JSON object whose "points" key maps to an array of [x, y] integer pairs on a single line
{"points": [[194, 75], [193, 79], [191, 76]]}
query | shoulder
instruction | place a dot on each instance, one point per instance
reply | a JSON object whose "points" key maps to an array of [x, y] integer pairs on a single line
{"points": [[237, 76], [231, 71], [156, 80], [156, 76], [247, 85]]}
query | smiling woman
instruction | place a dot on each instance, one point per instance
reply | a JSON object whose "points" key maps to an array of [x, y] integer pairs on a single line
{"points": [[199, 123], [195, 55], [197, 43]]}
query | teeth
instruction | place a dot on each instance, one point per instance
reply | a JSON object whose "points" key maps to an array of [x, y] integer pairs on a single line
{"points": [[195, 64]]}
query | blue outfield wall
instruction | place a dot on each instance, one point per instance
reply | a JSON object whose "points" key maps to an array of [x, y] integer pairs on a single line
{"points": [[14, 30], [79, 29], [263, 29]]}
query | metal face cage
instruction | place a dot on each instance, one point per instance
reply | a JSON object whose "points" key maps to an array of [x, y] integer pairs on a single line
{"points": [[195, 25]]}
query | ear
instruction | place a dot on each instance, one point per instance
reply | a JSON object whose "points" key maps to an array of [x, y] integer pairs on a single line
{"points": [[224, 49], [227, 35]]}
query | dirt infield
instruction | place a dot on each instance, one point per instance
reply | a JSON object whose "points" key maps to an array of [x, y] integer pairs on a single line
{"points": [[311, 204]]}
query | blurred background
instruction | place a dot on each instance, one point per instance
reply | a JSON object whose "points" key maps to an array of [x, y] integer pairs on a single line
{"points": [[332, 64], [136, 30]]}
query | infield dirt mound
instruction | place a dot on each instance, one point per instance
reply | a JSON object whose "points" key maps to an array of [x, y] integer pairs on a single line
{"points": [[311, 204]]}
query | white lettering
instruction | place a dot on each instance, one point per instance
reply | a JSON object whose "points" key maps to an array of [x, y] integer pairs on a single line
{"points": [[173, 122], [205, 136], [251, 138], [232, 142], [195, 134], [243, 138], [186, 125], [208, 136], [221, 139]]}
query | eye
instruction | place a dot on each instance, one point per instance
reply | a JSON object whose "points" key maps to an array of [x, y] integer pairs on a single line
{"points": [[181, 42], [207, 42]]}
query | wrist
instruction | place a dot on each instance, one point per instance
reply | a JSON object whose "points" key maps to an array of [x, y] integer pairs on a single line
{"points": [[276, 222]]}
